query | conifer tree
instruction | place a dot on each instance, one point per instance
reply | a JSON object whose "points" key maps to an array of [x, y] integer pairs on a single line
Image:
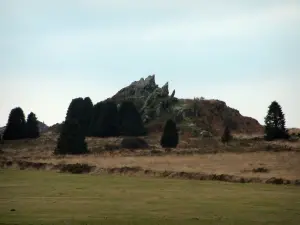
{"points": [[95, 118], [15, 127], [169, 137], [107, 122], [71, 139], [275, 123], [131, 123], [32, 126], [81, 110]]}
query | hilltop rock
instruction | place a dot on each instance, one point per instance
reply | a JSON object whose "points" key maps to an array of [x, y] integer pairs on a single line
{"points": [[149, 98], [199, 116]]}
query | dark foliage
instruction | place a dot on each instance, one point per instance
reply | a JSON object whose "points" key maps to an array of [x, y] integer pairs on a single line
{"points": [[15, 127], [131, 123], [97, 113], [76, 168], [134, 143], [106, 124], [226, 137], [260, 170], [71, 139], [275, 123], [81, 110], [170, 137], [32, 126]]}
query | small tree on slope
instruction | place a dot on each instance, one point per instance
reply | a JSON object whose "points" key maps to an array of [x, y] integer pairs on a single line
{"points": [[169, 138], [15, 127], [32, 126], [226, 137], [131, 123], [275, 123], [71, 139]]}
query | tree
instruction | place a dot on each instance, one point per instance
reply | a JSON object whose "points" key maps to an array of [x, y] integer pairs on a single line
{"points": [[15, 127], [107, 122], [95, 118], [275, 123], [226, 137], [71, 139], [32, 126], [130, 120], [81, 110], [169, 139]]}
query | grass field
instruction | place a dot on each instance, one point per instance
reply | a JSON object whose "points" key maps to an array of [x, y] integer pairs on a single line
{"points": [[46, 197]]}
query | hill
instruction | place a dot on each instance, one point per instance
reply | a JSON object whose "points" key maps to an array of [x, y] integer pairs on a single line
{"points": [[192, 115]]}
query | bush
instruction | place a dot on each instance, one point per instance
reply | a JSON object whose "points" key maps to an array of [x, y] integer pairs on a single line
{"points": [[260, 170], [226, 137], [76, 168], [134, 143], [169, 138]]}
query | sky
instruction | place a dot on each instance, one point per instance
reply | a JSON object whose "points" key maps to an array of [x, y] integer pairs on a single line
{"points": [[243, 52]]}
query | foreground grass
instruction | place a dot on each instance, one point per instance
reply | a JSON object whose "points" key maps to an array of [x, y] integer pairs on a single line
{"points": [[44, 197]]}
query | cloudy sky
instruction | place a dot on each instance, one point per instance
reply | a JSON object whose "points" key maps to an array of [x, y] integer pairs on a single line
{"points": [[244, 52]]}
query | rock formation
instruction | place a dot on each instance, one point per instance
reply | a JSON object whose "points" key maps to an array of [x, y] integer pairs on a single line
{"points": [[201, 117], [149, 98]]}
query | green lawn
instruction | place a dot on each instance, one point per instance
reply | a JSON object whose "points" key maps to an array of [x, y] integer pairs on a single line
{"points": [[43, 197]]}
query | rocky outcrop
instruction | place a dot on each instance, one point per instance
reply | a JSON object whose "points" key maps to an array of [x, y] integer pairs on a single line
{"points": [[150, 99], [201, 117]]}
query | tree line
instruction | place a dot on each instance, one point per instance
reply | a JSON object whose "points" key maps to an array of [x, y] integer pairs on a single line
{"points": [[18, 128], [104, 119], [107, 119]]}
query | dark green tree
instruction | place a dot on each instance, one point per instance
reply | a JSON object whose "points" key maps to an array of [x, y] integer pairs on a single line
{"points": [[32, 126], [107, 122], [131, 123], [95, 118], [71, 139], [226, 137], [15, 127], [169, 138], [81, 110], [275, 123]]}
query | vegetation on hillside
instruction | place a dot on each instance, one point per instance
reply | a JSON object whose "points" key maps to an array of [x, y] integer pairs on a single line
{"points": [[169, 138], [18, 128], [71, 139], [131, 123], [275, 123], [32, 128]]}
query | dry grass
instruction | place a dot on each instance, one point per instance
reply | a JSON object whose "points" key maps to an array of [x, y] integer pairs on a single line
{"points": [[280, 164], [239, 158]]}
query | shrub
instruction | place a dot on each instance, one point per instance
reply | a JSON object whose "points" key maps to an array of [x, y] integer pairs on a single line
{"points": [[260, 170], [226, 137], [76, 168], [169, 138], [134, 143]]}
